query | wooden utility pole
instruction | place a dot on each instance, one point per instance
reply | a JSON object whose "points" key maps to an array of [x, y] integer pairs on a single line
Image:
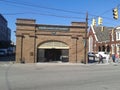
{"points": [[85, 51]]}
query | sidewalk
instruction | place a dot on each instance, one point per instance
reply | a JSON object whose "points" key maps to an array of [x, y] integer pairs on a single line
{"points": [[91, 62], [110, 61]]}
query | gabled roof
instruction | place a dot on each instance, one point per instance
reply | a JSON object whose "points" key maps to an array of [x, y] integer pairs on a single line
{"points": [[117, 29], [102, 36]]}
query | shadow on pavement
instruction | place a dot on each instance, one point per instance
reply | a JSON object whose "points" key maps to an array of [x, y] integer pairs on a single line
{"points": [[92, 61]]}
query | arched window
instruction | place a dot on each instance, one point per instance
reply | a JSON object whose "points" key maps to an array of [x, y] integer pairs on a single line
{"points": [[99, 48], [90, 44], [108, 48], [103, 48]]}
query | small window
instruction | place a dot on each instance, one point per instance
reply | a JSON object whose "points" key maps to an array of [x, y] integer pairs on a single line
{"points": [[31, 53], [117, 35]]}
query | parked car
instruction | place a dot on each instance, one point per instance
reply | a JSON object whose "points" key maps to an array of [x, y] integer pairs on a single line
{"points": [[9, 52], [2, 53], [91, 54], [64, 58], [104, 55]]}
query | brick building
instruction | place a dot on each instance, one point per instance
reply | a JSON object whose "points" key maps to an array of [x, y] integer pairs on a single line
{"points": [[115, 40], [100, 39], [45, 43], [105, 39]]}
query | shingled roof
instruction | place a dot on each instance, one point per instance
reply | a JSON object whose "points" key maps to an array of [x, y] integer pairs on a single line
{"points": [[102, 35]]}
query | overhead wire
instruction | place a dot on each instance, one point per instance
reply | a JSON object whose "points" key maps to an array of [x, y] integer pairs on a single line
{"points": [[49, 8], [47, 14], [42, 14], [43, 7], [38, 6]]}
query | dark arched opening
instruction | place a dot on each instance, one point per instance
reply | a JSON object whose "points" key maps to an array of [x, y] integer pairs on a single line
{"points": [[103, 48], [108, 48], [53, 51], [99, 48]]}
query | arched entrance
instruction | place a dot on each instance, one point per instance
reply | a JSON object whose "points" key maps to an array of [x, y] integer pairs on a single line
{"points": [[52, 51]]}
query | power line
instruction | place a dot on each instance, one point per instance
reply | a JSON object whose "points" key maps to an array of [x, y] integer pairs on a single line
{"points": [[43, 7], [32, 5], [49, 8], [43, 15]]}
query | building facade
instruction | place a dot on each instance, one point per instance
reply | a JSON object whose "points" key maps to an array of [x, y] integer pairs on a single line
{"points": [[46, 43], [5, 32], [105, 39], [99, 39], [115, 41]]}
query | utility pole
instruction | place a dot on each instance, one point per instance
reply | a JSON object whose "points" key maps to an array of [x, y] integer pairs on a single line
{"points": [[85, 51]]}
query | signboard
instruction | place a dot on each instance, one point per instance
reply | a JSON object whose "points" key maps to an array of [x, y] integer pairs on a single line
{"points": [[54, 28]]}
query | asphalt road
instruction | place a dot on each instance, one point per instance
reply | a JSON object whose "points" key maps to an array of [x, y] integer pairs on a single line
{"points": [[59, 76]]}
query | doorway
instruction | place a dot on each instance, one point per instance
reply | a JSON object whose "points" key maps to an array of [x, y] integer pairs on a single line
{"points": [[52, 54], [52, 51]]}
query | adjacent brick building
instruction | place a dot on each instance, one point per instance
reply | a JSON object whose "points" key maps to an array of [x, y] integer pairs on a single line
{"points": [[105, 39], [115, 40], [99, 39], [45, 43]]}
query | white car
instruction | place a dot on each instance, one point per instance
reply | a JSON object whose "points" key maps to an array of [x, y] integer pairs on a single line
{"points": [[104, 55]]}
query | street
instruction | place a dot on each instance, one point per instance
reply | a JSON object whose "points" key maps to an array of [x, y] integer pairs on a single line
{"points": [[53, 76]]}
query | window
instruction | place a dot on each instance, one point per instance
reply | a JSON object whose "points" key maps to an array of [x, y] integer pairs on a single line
{"points": [[112, 37], [118, 35], [117, 48], [90, 44], [113, 48]]}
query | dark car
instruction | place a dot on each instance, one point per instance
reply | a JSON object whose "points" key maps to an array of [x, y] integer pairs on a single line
{"points": [[91, 54], [2, 53]]}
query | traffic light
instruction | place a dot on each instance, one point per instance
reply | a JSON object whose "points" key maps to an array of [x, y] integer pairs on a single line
{"points": [[115, 13], [100, 21], [93, 22]]}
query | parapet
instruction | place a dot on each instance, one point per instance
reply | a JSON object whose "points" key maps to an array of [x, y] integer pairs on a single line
{"points": [[82, 24], [25, 21]]}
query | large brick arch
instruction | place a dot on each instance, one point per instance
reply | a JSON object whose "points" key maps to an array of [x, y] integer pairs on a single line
{"points": [[52, 50], [61, 44]]}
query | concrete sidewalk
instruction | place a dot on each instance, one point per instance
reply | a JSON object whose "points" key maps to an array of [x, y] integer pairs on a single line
{"points": [[91, 62]]}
